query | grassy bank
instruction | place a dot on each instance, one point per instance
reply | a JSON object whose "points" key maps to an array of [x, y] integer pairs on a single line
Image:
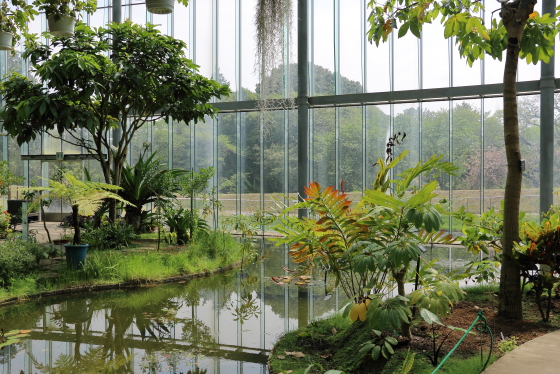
{"points": [[335, 343], [140, 265]]}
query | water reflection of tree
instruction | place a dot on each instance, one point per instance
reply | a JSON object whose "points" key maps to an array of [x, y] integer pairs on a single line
{"points": [[246, 306], [92, 361]]}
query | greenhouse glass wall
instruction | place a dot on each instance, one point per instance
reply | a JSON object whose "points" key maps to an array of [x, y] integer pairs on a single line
{"points": [[354, 96]]}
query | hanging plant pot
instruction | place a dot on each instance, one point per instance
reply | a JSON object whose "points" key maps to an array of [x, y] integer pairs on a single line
{"points": [[5, 41], [76, 255], [160, 6], [61, 27]]}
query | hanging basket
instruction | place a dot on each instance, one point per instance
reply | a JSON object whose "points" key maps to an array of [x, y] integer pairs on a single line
{"points": [[61, 27], [5, 41], [160, 6]]}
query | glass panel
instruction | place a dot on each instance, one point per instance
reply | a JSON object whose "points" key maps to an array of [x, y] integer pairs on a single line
{"points": [[203, 35], [467, 146], [435, 140], [405, 62], [162, 21], [323, 48], [495, 164], [226, 46], [293, 153], [324, 147], [250, 162], [160, 140], [378, 122], [351, 149], [181, 146], [435, 55], [97, 19], [52, 145], [463, 74], [138, 14], [350, 47], [204, 143], [181, 24], [15, 164], [529, 72], [248, 47], [227, 162], [70, 145], [529, 134], [493, 68], [274, 152], [407, 120], [141, 143], [378, 71]]}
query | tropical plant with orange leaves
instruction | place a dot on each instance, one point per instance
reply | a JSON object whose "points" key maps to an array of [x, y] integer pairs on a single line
{"points": [[538, 253], [368, 247]]}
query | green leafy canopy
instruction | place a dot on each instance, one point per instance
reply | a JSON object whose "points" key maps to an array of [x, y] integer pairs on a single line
{"points": [[461, 20]]}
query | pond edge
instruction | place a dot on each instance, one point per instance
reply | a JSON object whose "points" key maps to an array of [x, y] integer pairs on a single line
{"points": [[112, 286]]}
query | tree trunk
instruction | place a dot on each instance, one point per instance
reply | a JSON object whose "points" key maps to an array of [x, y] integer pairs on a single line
{"points": [[514, 16], [134, 218], [400, 276], [77, 233]]}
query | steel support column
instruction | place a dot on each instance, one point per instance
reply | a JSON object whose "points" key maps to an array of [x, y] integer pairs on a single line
{"points": [[303, 102], [547, 125], [117, 18]]}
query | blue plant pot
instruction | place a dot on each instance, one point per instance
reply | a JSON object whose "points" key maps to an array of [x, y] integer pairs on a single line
{"points": [[76, 255]]}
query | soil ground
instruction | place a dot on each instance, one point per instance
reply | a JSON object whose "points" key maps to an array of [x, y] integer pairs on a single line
{"points": [[465, 312]]}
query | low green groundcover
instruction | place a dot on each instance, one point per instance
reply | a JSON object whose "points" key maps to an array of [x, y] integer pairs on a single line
{"points": [[334, 344]]}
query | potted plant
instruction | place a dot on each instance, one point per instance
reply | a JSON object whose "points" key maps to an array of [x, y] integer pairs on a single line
{"points": [[13, 20], [85, 197], [62, 14], [160, 6]]}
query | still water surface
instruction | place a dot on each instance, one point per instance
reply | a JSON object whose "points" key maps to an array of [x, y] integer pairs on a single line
{"points": [[226, 323]]}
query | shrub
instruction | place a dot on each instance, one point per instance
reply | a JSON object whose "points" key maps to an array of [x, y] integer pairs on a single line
{"points": [[110, 235], [18, 258], [5, 219]]}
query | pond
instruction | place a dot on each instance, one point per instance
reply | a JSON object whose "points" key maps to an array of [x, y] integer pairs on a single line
{"points": [[225, 323]]}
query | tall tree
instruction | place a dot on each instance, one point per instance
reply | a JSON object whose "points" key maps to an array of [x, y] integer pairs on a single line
{"points": [[99, 79], [521, 32]]}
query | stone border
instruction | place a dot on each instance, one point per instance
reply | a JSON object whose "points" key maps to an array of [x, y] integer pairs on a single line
{"points": [[103, 287]]}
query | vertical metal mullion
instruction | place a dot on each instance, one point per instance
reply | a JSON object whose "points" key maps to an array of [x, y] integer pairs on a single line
{"points": [[240, 96], [450, 45], [303, 101], [482, 146], [311, 76], [286, 117], [3, 70], [215, 70], [261, 162], [451, 158], [192, 49], [239, 120], [337, 91], [170, 126], [364, 90], [547, 126]]}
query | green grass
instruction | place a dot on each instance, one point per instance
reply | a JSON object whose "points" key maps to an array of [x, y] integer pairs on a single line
{"points": [[454, 365], [109, 267]]}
